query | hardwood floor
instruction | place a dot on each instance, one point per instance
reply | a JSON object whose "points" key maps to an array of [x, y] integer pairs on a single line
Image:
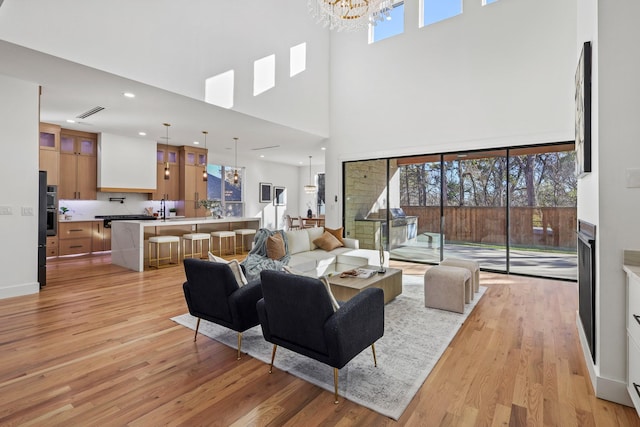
{"points": [[96, 347]]}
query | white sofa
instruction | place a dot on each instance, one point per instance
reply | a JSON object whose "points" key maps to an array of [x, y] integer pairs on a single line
{"points": [[309, 259]]}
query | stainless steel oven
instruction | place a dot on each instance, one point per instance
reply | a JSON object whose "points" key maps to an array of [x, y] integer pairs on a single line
{"points": [[52, 210]]}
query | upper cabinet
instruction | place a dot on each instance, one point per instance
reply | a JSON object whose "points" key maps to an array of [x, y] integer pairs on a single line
{"points": [[49, 151], [78, 165], [167, 189], [193, 187]]}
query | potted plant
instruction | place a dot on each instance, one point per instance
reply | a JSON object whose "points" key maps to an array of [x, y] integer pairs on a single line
{"points": [[173, 211], [63, 211], [213, 206]]}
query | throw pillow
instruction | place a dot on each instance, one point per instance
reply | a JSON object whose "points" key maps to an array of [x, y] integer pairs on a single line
{"points": [[337, 233], [275, 247], [234, 265], [327, 241]]}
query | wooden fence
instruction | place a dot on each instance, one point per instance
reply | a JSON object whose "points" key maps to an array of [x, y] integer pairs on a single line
{"points": [[530, 227]]}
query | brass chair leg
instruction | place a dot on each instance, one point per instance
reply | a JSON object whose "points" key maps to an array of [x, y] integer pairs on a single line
{"points": [[373, 348], [196, 334], [239, 343], [273, 356], [335, 385]]}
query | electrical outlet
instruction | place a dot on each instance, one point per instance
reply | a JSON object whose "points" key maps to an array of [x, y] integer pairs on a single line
{"points": [[27, 211], [6, 210]]}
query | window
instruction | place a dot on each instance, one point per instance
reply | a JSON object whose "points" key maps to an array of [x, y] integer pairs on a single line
{"points": [[391, 26], [438, 10], [264, 74], [486, 2], [220, 186]]}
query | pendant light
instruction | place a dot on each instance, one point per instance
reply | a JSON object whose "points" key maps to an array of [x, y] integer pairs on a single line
{"points": [[310, 188], [204, 170], [236, 178], [167, 172]]}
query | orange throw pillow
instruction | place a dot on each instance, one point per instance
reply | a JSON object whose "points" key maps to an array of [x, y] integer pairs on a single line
{"points": [[327, 241], [275, 247], [337, 233]]}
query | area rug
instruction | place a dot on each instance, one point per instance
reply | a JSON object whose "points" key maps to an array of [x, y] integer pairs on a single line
{"points": [[414, 339]]}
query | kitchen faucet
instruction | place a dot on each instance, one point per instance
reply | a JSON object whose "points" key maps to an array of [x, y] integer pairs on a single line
{"points": [[163, 208]]}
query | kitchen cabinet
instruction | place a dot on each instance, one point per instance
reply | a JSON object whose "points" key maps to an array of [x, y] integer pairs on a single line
{"points": [[52, 246], [193, 187], [75, 237], [49, 151], [78, 165], [167, 189], [633, 335], [100, 237]]}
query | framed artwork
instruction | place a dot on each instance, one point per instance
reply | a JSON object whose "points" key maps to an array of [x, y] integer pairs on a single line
{"points": [[280, 196], [265, 192], [583, 112]]}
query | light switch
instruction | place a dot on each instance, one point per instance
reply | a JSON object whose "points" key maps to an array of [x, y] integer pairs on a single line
{"points": [[633, 178], [27, 211], [5, 210]]}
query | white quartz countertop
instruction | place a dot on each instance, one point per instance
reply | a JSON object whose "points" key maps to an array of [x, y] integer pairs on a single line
{"points": [[632, 269], [79, 220], [186, 221]]}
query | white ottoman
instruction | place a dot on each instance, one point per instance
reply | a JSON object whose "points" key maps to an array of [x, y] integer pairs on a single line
{"points": [[445, 287], [472, 266]]}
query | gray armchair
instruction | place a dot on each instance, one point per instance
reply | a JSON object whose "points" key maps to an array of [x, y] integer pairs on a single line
{"points": [[212, 293], [296, 313]]}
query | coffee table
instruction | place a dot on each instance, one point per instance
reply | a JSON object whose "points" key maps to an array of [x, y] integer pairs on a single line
{"points": [[345, 288]]}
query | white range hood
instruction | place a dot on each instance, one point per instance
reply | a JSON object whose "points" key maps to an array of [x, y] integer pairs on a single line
{"points": [[126, 164]]}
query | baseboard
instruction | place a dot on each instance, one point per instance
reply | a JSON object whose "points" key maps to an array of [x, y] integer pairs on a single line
{"points": [[604, 388], [19, 290]]}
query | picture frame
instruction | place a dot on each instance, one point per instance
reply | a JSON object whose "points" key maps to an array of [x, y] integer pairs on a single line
{"points": [[265, 192], [583, 112], [279, 196]]}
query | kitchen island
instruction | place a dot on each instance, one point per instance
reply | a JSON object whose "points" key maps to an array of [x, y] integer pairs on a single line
{"points": [[129, 238]]}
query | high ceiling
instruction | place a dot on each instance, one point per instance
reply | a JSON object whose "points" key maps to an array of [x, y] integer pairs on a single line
{"points": [[70, 89]]}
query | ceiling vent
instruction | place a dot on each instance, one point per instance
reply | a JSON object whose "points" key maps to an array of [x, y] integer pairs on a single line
{"points": [[90, 112], [265, 148]]}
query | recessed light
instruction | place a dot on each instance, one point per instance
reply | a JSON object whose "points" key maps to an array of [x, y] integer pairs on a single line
{"points": [[142, 133], [196, 142], [262, 156], [70, 121], [299, 163], [323, 148], [129, 95]]}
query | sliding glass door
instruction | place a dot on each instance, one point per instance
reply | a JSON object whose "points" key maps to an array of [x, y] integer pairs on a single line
{"points": [[511, 210]]}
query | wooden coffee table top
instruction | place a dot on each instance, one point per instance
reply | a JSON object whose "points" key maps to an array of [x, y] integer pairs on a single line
{"points": [[359, 284]]}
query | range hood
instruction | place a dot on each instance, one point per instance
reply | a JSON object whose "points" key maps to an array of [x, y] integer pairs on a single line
{"points": [[126, 164]]}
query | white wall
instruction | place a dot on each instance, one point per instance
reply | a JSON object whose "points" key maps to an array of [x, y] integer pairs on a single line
{"points": [[604, 198], [19, 175], [494, 76], [177, 46]]}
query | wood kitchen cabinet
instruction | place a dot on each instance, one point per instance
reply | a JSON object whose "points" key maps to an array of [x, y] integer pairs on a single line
{"points": [[78, 165], [193, 187], [75, 237], [49, 151], [167, 189], [52, 246], [100, 237]]}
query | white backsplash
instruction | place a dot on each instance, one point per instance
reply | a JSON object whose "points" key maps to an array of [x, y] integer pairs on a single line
{"points": [[134, 204]]}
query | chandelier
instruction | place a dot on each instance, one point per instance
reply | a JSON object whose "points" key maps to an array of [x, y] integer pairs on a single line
{"points": [[310, 188], [350, 15]]}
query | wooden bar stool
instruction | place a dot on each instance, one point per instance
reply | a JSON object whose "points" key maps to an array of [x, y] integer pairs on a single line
{"points": [[157, 241], [195, 237], [224, 235], [242, 232]]}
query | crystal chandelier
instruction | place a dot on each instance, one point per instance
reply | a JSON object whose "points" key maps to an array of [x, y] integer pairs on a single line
{"points": [[310, 188], [350, 15]]}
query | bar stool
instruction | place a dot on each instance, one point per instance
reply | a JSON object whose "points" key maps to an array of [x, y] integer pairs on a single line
{"points": [[224, 235], [195, 237], [242, 232], [159, 240]]}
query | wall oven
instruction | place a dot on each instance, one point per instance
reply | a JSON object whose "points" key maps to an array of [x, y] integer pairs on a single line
{"points": [[52, 210]]}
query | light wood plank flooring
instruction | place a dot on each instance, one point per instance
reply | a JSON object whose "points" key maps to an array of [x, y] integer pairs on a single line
{"points": [[96, 347]]}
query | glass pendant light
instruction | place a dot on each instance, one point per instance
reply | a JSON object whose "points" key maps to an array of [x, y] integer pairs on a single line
{"points": [[204, 170], [167, 172], [236, 178], [310, 188]]}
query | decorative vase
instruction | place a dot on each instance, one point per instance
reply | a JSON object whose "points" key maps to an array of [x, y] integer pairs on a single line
{"points": [[309, 213]]}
